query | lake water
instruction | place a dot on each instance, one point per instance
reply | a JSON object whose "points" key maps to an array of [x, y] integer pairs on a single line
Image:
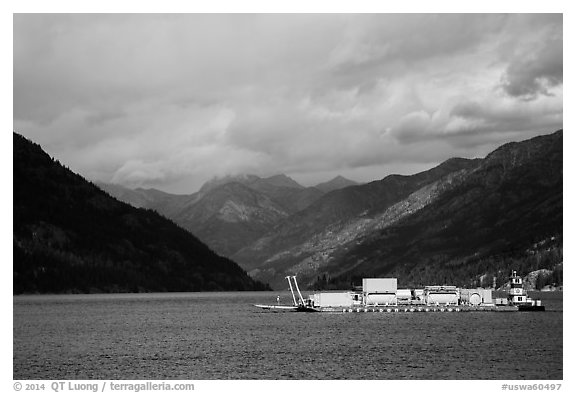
{"points": [[199, 336]]}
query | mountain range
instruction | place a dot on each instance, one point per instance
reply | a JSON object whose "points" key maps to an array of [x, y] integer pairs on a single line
{"points": [[231, 212], [70, 236], [451, 224], [464, 222]]}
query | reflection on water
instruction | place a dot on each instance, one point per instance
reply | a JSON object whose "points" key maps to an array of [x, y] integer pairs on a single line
{"points": [[222, 336]]}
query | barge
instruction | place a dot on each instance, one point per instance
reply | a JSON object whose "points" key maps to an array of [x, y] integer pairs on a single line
{"points": [[382, 295]]}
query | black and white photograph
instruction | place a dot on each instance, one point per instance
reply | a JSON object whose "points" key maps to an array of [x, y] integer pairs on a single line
{"points": [[287, 196]]}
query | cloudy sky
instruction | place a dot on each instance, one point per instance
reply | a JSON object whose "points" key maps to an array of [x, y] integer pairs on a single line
{"points": [[170, 101]]}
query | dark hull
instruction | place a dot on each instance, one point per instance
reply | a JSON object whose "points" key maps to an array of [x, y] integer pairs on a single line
{"points": [[306, 309], [526, 307]]}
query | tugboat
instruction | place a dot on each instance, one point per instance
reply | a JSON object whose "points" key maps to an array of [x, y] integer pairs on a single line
{"points": [[518, 297]]}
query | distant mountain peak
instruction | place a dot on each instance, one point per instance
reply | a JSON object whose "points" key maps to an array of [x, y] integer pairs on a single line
{"points": [[336, 183], [217, 181], [282, 180]]}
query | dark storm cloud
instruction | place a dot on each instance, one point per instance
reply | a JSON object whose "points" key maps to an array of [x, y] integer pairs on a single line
{"points": [[172, 100], [535, 73]]}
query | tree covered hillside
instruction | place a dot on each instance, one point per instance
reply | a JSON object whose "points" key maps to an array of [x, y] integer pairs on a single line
{"points": [[70, 236], [490, 223]]}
